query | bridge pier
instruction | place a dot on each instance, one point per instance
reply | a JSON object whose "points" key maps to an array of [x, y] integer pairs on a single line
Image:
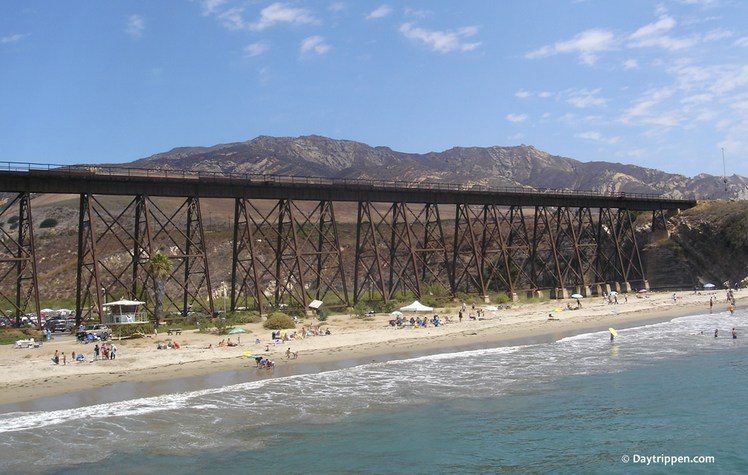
{"points": [[560, 293]]}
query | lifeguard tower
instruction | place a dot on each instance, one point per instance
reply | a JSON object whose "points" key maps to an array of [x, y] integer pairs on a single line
{"points": [[123, 311]]}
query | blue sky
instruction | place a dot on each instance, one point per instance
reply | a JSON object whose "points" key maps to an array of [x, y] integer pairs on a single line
{"points": [[655, 84]]}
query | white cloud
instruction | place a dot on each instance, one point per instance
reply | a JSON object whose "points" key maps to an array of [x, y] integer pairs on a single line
{"points": [[522, 94], [516, 118], [337, 7], [282, 13], [314, 44], [256, 49], [211, 6], [414, 13], [544, 94], [134, 26], [380, 12], [232, 19], [5, 40], [441, 41], [630, 64], [587, 44], [590, 135], [584, 98], [742, 42], [645, 112], [655, 35]]}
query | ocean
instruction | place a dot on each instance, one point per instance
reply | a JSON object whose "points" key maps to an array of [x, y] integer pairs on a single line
{"points": [[658, 394]]}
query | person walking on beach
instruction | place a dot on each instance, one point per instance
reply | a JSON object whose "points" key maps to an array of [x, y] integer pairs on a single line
{"points": [[711, 304], [716, 332]]}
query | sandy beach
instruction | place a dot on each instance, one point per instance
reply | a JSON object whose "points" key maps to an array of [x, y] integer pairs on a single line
{"points": [[28, 373]]}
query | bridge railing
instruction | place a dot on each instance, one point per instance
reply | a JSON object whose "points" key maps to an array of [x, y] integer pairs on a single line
{"points": [[286, 180]]}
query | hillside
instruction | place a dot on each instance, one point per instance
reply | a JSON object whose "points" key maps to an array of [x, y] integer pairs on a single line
{"points": [[521, 165]]}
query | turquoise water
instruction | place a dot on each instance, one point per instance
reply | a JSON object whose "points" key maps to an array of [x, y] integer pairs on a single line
{"points": [[577, 405]]}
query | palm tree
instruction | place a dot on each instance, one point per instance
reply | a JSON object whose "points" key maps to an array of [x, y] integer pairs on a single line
{"points": [[160, 267]]}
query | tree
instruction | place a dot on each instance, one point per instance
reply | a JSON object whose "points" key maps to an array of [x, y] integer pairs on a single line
{"points": [[160, 267]]}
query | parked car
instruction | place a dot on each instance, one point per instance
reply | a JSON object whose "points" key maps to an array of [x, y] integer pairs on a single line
{"points": [[58, 325], [99, 330]]}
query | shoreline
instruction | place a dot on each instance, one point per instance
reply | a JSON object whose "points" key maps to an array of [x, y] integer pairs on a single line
{"points": [[31, 382]]}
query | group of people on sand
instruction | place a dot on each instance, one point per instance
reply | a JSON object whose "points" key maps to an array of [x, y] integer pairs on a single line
{"points": [[103, 352], [419, 322], [225, 343], [169, 345], [264, 362]]}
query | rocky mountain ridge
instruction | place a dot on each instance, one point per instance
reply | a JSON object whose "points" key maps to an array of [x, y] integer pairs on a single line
{"points": [[522, 165]]}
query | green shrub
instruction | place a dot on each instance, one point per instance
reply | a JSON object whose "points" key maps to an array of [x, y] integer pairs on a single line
{"points": [[323, 314], [222, 325], [279, 321], [243, 317], [503, 298]]}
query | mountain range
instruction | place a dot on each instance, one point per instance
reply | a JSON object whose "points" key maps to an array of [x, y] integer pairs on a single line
{"points": [[516, 166]]}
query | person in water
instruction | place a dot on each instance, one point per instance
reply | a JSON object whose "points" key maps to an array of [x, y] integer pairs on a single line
{"points": [[734, 334]]}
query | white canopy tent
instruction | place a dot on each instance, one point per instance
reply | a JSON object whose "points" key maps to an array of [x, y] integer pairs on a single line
{"points": [[416, 306]]}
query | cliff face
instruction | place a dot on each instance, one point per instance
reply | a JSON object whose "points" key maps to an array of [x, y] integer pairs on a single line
{"points": [[707, 244], [522, 165]]}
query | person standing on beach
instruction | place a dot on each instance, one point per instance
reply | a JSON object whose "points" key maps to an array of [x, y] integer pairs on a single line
{"points": [[711, 304], [734, 334], [716, 332]]}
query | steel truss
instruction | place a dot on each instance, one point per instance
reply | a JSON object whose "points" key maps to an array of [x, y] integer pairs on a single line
{"points": [[288, 252], [114, 252], [18, 260], [289, 255], [400, 248]]}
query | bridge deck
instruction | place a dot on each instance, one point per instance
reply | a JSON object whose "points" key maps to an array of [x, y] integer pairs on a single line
{"points": [[38, 178]]}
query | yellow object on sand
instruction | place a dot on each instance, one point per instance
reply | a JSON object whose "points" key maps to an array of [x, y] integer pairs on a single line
{"points": [[248, 354], [613, 331]]}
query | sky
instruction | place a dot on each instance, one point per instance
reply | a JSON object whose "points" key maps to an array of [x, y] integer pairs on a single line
{"points": [[654, 84]]}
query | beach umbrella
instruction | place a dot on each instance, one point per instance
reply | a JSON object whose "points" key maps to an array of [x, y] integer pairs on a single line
{"points": [[396, 313], [234, 331], [577, 296], [708, 286]]}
